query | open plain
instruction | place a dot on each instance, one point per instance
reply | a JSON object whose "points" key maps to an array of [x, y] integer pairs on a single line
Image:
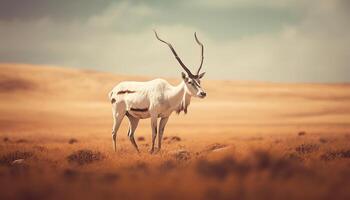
{"points": [[246, 140]]}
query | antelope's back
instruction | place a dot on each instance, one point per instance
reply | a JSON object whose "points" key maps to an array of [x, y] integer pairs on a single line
{"points": [[138, 94]]}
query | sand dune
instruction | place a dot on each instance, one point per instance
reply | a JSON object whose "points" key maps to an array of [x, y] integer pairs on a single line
{"points": [[35, 97]]}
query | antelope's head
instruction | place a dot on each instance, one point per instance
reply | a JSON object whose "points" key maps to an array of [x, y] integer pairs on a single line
{"points": [[192, 81]]}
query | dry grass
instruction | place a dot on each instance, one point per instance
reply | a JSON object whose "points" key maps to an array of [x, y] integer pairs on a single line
{"points": [[251, 170], [307, 148], [245, 141], [8, 158], [336, 154], [84, 156]]}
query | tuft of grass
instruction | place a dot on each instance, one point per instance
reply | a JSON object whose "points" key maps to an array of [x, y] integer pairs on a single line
{"points": [[12, 156], [72, 141], [332, 155], [84, 156], [182, 155], [306, 148], [301, 133], [172, 139]]}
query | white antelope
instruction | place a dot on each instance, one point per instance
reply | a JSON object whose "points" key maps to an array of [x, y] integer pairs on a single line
{"points": [[154, 99]]}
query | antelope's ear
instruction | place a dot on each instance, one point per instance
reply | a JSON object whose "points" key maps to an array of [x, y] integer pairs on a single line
{"points": [[184, 76], [201, 75]]}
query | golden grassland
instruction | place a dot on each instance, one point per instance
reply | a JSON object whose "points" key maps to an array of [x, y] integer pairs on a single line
{"points": [[246, 140]]}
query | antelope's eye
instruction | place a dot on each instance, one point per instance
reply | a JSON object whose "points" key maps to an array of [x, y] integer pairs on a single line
{"points": [[190, 82]]}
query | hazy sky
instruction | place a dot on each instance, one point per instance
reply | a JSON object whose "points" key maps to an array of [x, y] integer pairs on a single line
{"points": [[281, 40]]}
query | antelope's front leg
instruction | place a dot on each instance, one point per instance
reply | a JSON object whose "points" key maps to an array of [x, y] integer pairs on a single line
{"points": [[154, 131], [162, 124]]}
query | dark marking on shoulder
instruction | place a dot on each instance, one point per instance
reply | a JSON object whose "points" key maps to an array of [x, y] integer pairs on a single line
{"points": [[139, 109], [113, 100], [125, 92]]}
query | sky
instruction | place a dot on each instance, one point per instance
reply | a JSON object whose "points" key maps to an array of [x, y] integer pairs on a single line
{"points": [[271, 40]]}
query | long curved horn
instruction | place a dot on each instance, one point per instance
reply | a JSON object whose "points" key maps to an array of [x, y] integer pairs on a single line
{"points": [[175, 54], [202, 50]]}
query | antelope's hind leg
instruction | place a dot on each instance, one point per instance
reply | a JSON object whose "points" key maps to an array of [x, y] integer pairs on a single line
{"points": [[118, 111], [133, 122], [154, 131]]}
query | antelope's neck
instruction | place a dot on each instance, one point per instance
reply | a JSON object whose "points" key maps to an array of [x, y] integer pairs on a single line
{"points": [[179, 98]]}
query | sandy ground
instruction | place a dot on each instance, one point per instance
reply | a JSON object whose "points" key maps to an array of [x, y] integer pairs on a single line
{"points": [[246, 140]]}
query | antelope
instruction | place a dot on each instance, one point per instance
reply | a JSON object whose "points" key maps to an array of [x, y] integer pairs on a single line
{"points": [[154, 99]]}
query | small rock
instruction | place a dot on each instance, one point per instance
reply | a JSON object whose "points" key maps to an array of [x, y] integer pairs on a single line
{"points": [[215, 146], [18, 162], [72, 141], [173, 139], [222, 149]]}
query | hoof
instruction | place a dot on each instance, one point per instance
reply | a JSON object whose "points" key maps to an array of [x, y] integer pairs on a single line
{"points": [[156, 151], [151, 151]]}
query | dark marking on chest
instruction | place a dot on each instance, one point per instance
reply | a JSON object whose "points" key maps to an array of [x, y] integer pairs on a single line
{"points": [[125, 92]]}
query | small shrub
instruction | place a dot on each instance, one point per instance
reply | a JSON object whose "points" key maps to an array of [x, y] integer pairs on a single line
{"points": [[172, 139], [182, 155], [72, 141], [12, 156], [306, 148], [331, 155], [84, 156], [301, 133]]}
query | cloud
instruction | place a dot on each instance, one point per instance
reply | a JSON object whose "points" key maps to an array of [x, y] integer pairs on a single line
{"points": [[120, 39]]}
